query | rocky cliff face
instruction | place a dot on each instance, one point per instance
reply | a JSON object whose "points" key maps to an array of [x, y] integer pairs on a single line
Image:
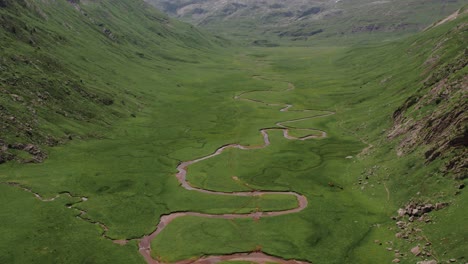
{"points": [[436, 117]]}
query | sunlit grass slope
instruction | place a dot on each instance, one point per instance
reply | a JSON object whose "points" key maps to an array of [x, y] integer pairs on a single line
{"points": [[178, 93], [69, 67]]}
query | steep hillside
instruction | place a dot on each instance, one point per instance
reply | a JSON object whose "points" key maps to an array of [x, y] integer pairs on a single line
{"points": [[259, 20], [435, 117], [432, 120], [410, 108], [182, 150], [67, 67]]}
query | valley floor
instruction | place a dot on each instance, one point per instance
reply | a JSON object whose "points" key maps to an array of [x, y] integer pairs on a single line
{"points": [[325, 199]]}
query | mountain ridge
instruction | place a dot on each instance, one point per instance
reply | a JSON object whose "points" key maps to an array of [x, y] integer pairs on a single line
{"points": [[308, 20]]}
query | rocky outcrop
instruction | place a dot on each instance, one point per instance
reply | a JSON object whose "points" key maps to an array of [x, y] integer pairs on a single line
{"points": [[419, 209], [411, 220], [435, 118], [32, 153]]}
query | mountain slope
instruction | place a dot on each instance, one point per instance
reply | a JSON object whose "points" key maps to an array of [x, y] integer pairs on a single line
{"points": [[432, 84], [71, 62], [135, 94], [314, 20], [415, 94], [70, 72]]}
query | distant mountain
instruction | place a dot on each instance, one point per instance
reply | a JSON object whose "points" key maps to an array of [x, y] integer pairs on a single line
{"points": [[303, 19]]}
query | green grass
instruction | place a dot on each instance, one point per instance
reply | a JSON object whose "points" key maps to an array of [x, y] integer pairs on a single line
{"points": [[125, 165], [39, 232], [306, 167]]}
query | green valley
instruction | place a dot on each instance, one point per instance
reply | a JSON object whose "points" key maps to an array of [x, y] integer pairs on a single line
{"points": [[130, 137]]}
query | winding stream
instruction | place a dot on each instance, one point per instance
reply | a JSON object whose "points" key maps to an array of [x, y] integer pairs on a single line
{"points": [[258, 257], [165, 220]]}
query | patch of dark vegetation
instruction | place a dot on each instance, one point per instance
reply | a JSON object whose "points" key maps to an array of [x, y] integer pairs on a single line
{"points": [[412, 100], [264, 43], [107, 101], [276, 6], [310, 11], [366, 28], [376, 27], [280, 14], [108, 33], [177, 59], [10, 3], [299, 39], [300, 33]]}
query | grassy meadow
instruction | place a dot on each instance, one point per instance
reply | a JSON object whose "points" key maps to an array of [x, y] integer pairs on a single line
{"points": [[185, 109]]}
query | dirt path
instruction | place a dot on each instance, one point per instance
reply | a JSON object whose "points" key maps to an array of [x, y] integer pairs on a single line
{"points": [[258, 257]]}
